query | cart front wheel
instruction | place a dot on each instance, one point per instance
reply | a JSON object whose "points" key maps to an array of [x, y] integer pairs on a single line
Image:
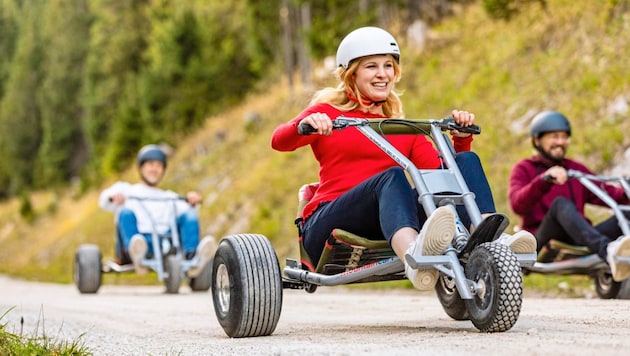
{"points": [[605, 286], [173, 273], [246, 286], [497, 274]]}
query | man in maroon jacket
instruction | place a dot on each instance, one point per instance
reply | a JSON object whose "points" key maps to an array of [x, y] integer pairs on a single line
{"points": [[551, 205]]}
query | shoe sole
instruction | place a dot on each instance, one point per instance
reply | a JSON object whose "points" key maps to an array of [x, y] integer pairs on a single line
{"points": [[621, 271], [523, 244], [425, 279], [137, 250], [207, 248], [438, 232]]}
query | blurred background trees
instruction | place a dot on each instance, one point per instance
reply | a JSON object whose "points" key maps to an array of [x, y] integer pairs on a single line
{"points": [[83, 84]]}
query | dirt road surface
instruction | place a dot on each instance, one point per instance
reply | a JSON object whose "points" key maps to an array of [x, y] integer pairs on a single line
{"points": [[143, 320]]}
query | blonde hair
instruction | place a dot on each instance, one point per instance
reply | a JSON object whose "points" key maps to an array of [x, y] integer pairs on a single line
{"points": [[338, 97]]}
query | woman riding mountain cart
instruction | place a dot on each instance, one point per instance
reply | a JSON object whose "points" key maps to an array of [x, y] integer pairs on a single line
{"points": [[364, 192]]}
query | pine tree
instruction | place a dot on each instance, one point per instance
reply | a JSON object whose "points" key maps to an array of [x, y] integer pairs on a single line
{"points": [[20, 120], [65, 28]]}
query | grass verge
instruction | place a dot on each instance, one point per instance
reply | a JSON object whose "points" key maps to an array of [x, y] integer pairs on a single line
{"points": [[20, 344]]}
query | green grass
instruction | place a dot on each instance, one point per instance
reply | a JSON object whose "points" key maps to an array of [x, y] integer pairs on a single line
{"points": [[41, 345]]}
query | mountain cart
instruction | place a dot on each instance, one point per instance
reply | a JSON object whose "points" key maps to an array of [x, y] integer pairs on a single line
{"points": [[561, 258], [480, 280], [167, 259]]}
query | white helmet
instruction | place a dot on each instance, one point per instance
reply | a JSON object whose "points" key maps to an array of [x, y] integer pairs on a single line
{"points": [[366, 41]]}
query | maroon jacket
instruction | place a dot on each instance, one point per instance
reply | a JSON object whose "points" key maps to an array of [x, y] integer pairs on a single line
{"points": [[531, 197]]}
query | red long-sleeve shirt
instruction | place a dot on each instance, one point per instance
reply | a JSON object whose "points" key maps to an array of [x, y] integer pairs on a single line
{"points": [[347, 157], [531, 197]]}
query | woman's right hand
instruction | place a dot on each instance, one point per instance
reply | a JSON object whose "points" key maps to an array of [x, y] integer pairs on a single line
{"points": [[319, 121]]}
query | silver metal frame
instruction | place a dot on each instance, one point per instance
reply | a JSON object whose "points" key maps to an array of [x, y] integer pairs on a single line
{"points": [[160, 244], [448, 179]]}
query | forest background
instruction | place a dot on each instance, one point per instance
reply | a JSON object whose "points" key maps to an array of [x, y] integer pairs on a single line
{"points": [[84, 84]]}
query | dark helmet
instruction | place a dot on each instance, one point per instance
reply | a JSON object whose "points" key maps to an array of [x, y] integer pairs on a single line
{"points": [[151, 152], [547, 121]]}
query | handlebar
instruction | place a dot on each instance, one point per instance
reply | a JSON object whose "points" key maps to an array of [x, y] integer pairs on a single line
{"points": [[597, 178], [179, 197], [395, 126], [162, 199], [571, 173]]}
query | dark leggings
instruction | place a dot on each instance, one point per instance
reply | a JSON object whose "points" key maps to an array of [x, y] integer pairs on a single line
{"points": [[564, 223], [385, 203]]}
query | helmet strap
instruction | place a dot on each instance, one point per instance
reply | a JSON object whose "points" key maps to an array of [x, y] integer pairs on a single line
{"points": [[364, 102]]}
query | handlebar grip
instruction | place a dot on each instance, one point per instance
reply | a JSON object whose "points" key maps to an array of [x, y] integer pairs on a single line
{"points": [[452, 125], [472, 129], [306, 129]]}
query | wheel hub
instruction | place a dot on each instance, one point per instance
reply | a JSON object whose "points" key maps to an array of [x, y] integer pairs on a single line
{"points": [[481, 289], [223, 289]]}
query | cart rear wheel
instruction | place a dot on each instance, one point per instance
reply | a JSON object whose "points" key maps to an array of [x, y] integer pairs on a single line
{"points": [[87, 269], [246, 286], [173, 274], [605, 286], [452, 303], [497, 272]]}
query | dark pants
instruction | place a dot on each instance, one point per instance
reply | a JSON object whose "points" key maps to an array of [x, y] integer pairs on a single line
{"points": [[385, 203], [564, 223]]}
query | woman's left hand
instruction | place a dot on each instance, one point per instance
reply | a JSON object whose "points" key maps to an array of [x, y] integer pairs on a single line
{"points": [[462, 118]]}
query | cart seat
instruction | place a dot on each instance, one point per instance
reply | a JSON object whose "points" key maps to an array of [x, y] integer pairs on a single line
{"points": [[558, 250], [344, 251]]}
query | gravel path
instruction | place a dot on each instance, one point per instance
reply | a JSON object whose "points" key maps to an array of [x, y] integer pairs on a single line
{"points": [[142, 320]]}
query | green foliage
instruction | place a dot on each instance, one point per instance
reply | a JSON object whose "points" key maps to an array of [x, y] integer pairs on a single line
{"points": [[84, 83], [262, 46], [20, 120], [333, 19], [124, 131], [65, 27], [26, 208], [117, 43], [506, 9], [9, 31]]}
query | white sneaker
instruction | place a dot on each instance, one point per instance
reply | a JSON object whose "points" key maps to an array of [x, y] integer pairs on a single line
{"points": [[521, 242], [620, 247], [204, 253], [436, 234], [137, 250]]}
